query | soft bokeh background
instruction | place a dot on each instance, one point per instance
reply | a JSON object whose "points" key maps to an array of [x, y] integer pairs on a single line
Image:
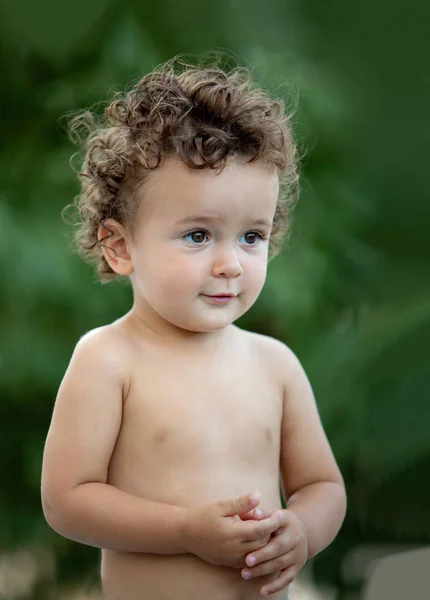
{"points": [[349, 293]]}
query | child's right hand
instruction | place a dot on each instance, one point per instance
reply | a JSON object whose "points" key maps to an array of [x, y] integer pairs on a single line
{"points": [[217, 534]]}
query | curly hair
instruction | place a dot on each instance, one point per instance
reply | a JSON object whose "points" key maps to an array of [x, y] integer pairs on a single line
{"points": [[204, 115]]}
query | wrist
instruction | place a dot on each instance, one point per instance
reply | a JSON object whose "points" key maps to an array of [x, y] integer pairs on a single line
{"points": [[185, 530], [291, 513], [301, 534]]}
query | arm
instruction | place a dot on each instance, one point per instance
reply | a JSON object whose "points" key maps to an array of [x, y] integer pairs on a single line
{"points": [[312, 481], [77, 501]]}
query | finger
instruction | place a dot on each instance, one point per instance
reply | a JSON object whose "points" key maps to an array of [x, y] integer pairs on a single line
{"points": [[286, 577], [264, 528], [269, 566], [278, 531], [277, 546], [256, 514], [268, 526], [237, 506]]}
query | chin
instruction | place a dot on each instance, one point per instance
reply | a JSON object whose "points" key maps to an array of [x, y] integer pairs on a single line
{"points": [[215, 325], [205, 325], [207, 328]]}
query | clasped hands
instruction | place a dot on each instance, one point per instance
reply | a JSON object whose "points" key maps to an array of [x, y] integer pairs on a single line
{"points": [[285, 551], [238, 534]]}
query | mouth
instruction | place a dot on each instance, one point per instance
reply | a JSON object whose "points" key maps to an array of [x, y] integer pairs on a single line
{"points": [[219, 295], [219, 298]]}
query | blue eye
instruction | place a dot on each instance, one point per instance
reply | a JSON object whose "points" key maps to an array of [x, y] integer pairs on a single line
{"points": [[250, 238], [196, 237]]}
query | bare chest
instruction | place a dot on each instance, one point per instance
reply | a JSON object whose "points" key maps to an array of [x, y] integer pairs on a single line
{"points": [[188, 417], [216, 403]]}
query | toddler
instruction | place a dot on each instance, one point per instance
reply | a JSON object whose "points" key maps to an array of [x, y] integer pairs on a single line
{"points": [[174, 430]]}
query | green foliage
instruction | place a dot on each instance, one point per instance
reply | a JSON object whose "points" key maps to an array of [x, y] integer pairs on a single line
{"points": [[348, 293]]}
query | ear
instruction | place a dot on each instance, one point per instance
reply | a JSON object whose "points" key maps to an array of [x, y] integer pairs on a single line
{"points": [[113, 241]]}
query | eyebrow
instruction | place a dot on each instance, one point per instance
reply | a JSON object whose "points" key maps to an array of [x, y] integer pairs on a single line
{"points": [[212, 219]]}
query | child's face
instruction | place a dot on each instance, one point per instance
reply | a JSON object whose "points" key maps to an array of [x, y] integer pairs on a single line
{"points": [[200, 236]]}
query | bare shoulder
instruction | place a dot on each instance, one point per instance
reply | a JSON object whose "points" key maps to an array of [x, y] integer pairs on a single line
{"points": [[108, 338], [275, 353], [105, 348]]}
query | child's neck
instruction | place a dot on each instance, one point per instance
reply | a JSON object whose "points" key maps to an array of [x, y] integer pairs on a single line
{"points": [[148, 324]]}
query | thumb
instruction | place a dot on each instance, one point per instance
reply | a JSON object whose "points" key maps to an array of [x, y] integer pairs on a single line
{"points": [[237, 506]]}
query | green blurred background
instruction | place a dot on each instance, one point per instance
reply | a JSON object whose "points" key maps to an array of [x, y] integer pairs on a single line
{"points": [[349, 293]]}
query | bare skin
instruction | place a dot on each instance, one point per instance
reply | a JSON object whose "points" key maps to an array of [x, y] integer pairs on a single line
{"points": [[167, 419], [182, 461]]}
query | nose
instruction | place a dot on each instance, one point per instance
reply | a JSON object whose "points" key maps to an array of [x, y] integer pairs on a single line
{"points": [[226, 264]]}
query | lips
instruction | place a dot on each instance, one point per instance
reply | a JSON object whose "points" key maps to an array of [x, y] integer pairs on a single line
{"points": [[219, 295], [219, 298]]}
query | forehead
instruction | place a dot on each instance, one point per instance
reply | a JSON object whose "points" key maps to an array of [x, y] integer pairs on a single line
{"points": [[174, 191]]}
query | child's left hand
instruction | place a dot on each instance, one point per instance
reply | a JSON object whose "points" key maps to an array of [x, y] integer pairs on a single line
{"points": [[286, 551]]}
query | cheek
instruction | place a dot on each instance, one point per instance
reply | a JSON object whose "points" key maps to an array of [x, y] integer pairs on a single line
{"points": [[256, 270], [180, 275]]}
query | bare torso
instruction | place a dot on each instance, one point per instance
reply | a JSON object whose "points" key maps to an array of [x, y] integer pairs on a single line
{"points": [[198, 426]]}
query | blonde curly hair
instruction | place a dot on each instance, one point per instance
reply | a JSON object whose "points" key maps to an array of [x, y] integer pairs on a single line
{"points": [[204, 115]]}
